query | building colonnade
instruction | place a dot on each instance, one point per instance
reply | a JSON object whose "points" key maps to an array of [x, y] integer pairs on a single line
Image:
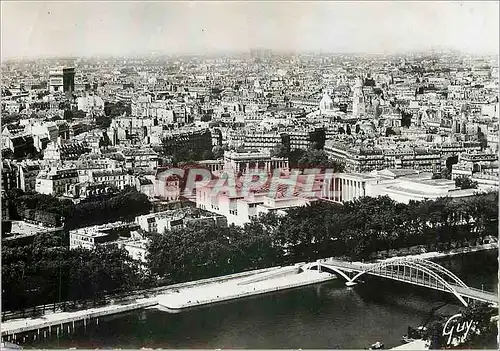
{"points": [[340, 189]]}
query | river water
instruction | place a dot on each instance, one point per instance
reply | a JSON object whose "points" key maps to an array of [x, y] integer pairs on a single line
{"points": [[326, 316]]}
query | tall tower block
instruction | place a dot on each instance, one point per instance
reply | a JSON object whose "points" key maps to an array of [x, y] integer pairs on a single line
{"points": [[358, 101]]}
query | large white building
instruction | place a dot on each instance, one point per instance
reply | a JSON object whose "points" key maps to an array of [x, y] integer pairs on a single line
{"points": [[240, 205], [55, 181], [399, 184], [90, 103]]}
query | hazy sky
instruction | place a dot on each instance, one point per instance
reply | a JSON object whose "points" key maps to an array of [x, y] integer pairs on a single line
{"points": [[101, 28]]}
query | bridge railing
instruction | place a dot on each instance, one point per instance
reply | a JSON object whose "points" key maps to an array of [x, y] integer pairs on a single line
{"points": [[482, 291]]}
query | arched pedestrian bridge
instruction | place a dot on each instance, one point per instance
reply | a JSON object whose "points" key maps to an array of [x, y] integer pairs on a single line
{"points": [[409, 270]]}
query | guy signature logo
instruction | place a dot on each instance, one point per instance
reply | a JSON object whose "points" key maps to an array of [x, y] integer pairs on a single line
{"points": [[457, 330]]}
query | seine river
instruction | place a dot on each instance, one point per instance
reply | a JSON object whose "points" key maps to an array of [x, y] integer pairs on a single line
{"points": [[326, 316]]}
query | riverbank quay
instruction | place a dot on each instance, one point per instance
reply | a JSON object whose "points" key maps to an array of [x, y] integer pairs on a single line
{"points": [[138, 300], [283, 279], [413, 345], [420, 252], [132, 295], [213, 289], [54, 323], [458, 251]]}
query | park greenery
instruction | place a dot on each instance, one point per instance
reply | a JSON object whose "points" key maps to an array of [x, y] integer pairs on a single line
{"points": [[464, 182], [47, 271], [10, 118], [310, 158], [53, 211]]}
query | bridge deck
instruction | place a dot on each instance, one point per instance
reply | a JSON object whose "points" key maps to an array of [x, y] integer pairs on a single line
{"points": [[468, 292], [476, 294]]}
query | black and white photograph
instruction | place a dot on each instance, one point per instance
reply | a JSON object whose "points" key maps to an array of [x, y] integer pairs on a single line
{"points": [[249, 175]]}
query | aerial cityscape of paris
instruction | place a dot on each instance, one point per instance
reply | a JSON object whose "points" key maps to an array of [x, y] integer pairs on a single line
{"points": [[249, 175]]}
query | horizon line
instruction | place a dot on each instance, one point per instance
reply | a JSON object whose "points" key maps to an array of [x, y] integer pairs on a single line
{"points": [[275, 52]]}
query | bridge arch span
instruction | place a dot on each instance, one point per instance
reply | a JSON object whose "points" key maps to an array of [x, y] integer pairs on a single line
{"points": [[418, 266], [437, 267], [337, 271]]}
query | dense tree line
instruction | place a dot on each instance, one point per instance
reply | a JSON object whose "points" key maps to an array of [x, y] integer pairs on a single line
{"points": [[123, 206], [47, 272], [29, 205], [201, 251], [70, 114], [356, 230]]}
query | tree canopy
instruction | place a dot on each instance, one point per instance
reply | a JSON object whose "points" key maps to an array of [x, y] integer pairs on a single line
{"points": [[125, 205], [464, 182], [46, 272], [218, 151], [357, 230], [313, 158], [280, 150]]}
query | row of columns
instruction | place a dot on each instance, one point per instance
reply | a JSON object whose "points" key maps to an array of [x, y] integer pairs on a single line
{"points": [[342, 190], [268, 165], [215, 167]]}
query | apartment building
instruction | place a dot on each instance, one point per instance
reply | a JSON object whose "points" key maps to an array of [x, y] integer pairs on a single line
{"points": [[167, 220], [118, 178], [55, 181]]}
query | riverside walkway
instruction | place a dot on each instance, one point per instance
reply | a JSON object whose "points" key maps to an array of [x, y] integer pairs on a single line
{"points": [[284, 278], [175, 298], [413, 345], [56, 322]]}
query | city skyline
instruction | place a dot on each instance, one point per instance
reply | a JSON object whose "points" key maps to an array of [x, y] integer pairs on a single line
{"points": [[130, 28]]}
